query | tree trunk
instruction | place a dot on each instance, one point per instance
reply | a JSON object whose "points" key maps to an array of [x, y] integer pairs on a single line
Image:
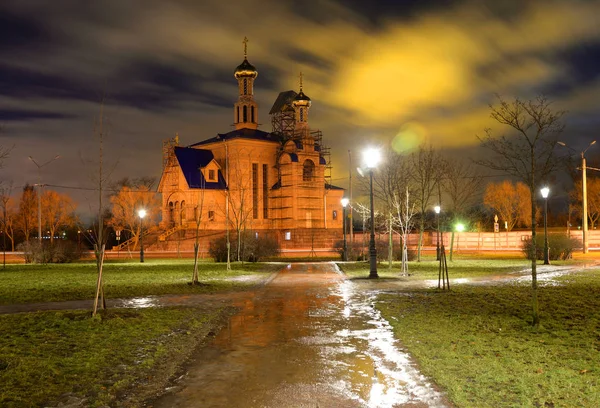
{"points": [[451, 245], [534, 298], [391, 244], [421, 230], [195, 274]]}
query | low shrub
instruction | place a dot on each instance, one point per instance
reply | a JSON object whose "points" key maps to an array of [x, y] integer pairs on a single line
{"points": [[560, 247], [253, 248], [59, 251]]}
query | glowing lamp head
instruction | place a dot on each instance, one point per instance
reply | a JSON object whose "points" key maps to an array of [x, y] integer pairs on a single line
{"points": [[545, 191], [371, 157], [142, 213], [437, 209], [345, 202], [460, 227]]}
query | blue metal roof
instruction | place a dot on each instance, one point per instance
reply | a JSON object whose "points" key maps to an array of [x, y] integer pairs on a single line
{"points": [[191, 161], [245, 133], [332, 187], [322, 160]]}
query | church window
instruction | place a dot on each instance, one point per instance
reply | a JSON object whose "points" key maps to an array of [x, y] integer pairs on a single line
{"points": [[245, 113], [308, 170], [288, 235], [301, 115], [211, 175], [334, 214], [238, 115], [255, 190], [265, 191], [211, 215], [245, 86], [252, 114]]}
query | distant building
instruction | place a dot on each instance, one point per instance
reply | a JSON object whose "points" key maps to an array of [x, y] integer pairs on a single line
{"points": [[266, 182]]}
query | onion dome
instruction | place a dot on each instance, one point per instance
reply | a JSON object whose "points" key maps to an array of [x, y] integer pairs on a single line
{"points": [[245, 69], [302, 97]]}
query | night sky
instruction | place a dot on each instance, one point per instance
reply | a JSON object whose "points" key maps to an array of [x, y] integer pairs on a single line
{"points": [[390, 73]]}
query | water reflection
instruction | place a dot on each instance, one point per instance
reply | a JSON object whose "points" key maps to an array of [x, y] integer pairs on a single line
{"points": [[309, 338]]}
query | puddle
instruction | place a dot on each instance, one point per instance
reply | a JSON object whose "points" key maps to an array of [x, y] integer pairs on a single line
{"points": [[307, 339]]}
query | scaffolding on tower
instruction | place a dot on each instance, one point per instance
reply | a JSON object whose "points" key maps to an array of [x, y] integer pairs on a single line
{"points": [[169, 162]]}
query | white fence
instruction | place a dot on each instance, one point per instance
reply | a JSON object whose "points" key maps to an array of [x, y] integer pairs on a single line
{"points": [[481, 241]]}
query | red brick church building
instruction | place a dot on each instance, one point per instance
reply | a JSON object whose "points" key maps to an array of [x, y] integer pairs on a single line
{"points": [[249, 179]]}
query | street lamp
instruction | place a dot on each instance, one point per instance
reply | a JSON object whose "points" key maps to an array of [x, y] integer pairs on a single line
{"points": [[584, 194], [142, 214], [345, 202], [371, 158], [437, 210], [39, 186], [545, 191]]}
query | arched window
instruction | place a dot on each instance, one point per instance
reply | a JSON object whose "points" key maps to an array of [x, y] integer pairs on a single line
{"points": [[245, 86], [308, 170], [238, 114], [301, 115], [245, 113], [252, 114], [171, 206], [183, 215]]}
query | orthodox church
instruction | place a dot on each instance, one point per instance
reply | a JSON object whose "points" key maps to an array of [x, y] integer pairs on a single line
{"points": [[275, 182]]}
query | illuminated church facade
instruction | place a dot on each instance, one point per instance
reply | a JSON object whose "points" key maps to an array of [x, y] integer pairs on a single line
{"points": [[248, 179]]}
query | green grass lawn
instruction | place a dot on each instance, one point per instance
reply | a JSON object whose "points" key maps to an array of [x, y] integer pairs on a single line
{"points": [[464, 267], [56, 282], [476, 342], [46, 357], [429, 268]]}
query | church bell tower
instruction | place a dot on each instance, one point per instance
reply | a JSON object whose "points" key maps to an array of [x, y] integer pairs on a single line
{"points": [[301, 104], [245, 110]]}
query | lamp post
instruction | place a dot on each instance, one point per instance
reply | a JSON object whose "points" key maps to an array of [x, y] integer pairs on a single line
{"points": [[584, 194], [371, 158], [545, 191], [345, 202], [39, 192], [142, 214], [437, 210]]}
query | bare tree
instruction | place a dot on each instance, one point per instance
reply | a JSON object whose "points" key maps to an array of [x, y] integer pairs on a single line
{"points": [[239, 196], [526, 153], [100, 177], [462, 182], [427, 167], [511, 201], [7, 219], [26, 217], [593, 199], [392, 182], [58, 211], [199, 211], [404, 217], [125, 207]]}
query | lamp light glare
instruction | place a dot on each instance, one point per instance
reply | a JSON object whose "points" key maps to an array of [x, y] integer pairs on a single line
{"points": [[345, 202], [460, 227], [142, 213], [545, 191], [371, 157], [437, 209]]}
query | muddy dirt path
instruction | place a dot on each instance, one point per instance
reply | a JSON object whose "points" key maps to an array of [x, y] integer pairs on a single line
{"points": [[306, 339]]}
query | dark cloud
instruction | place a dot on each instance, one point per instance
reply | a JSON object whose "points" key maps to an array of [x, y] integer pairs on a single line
{"points": [[10, 115], [375, 71]]}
